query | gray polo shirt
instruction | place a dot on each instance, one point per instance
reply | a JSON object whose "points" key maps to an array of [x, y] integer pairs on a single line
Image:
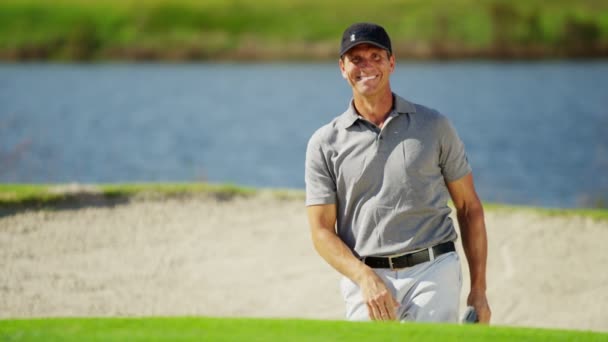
{"points": [[388, 184]]}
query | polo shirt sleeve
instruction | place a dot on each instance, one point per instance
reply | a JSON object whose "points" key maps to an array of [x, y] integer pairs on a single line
{"points": [[320, 185], [452, 156]]}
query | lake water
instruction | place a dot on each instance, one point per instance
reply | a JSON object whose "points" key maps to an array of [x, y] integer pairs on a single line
{"points": [[536, 133]]}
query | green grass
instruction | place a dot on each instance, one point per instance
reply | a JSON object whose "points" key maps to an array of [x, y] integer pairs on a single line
{"points": [[48, 195], [36, 195], [180, 29], [600, 214], [215, 329], [170, 189]]}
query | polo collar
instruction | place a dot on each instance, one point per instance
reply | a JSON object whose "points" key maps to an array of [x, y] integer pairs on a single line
{"points": [[350, 116]]}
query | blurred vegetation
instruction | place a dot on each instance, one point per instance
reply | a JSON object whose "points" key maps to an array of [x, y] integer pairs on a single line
{"points": [[36, 195], [18, 197], [297, 29]]}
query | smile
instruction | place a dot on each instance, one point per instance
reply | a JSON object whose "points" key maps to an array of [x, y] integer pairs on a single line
{"points": [[366, 78]]}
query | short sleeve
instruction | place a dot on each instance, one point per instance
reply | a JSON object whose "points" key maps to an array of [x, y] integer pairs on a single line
{"points": [[320, 185], [452, 157]]}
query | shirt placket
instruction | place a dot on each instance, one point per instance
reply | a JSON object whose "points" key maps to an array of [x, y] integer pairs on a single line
{"points": [[381, 134]]}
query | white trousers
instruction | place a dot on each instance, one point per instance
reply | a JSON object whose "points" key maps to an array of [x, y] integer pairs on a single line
{"points": [[427, 292]]}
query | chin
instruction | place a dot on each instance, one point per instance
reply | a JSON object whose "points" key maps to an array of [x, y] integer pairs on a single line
{"points": [[366, 91]]}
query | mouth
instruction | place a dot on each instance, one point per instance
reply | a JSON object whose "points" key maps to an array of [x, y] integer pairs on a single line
{"points": [[366, 78]]}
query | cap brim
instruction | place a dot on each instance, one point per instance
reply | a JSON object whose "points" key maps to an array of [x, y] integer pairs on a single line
{"points": [[353, 44]]}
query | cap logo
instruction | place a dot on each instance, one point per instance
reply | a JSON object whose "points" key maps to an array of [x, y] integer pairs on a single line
{"points": [[352, 37]]}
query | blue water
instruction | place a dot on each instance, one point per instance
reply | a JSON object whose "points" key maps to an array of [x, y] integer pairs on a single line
{"points": [[536, 133]]}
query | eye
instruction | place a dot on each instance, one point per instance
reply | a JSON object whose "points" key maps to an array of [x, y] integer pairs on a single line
{"points": [[376, 57], [356, 60]]}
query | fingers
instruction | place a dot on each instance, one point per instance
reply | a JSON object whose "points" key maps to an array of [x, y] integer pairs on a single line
{"points": [[484, 314], [383, 308], [380, 302], [373, 310], [480, 302]]}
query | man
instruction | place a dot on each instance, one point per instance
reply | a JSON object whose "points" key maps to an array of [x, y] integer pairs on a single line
{"points": [[378, 178]]}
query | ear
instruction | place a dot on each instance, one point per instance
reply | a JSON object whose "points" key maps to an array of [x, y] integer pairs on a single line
{"points": [[342, 69], [391, 60]]}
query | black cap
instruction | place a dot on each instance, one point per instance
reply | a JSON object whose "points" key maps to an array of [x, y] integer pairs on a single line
{"points": [[369, 33]]}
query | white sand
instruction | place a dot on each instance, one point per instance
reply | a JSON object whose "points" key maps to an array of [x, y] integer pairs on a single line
{"points": [[253, 257]]}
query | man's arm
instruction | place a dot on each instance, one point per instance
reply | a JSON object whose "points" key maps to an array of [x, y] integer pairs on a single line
{"points": [[380, 302], [474, 241]]}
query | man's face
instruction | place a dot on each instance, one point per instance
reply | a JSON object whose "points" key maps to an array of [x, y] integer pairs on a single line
{"points": [[367, 69]]}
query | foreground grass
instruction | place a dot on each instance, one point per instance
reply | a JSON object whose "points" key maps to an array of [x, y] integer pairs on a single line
{"points": [[271, 29], [215, 329], [47, 195]]}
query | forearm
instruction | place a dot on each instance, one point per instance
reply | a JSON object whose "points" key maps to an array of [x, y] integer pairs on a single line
{"points": [[380, 302], [335, 252], [474, 243]]}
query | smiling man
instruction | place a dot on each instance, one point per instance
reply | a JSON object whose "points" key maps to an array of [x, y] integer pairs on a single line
{"points": [[378, 179]]}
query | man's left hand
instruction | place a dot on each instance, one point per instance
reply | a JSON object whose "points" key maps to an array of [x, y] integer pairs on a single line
{"points": [[478, 300]]}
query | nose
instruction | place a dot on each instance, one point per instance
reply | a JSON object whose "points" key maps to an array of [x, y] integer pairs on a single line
{"points": [[364, 64]]}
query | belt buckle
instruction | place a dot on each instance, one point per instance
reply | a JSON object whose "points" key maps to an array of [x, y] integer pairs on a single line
{"points": [[390, 263]]}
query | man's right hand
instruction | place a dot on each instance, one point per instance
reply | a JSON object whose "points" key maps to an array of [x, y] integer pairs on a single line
{"points": [[381, 304]]}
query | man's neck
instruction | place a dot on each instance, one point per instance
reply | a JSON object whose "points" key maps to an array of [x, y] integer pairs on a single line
{"points": [[374, 109]]}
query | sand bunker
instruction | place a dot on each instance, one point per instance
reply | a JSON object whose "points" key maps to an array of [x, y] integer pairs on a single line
{"points": [[253, 257]]}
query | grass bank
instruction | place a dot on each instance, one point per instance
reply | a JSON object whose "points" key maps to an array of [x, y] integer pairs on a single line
{"points": [[297, 29], [215, 329], [27, 196], [32, 196]]}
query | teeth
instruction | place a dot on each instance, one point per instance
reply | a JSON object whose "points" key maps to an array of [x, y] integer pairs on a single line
{"points": [[366, 78]]}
